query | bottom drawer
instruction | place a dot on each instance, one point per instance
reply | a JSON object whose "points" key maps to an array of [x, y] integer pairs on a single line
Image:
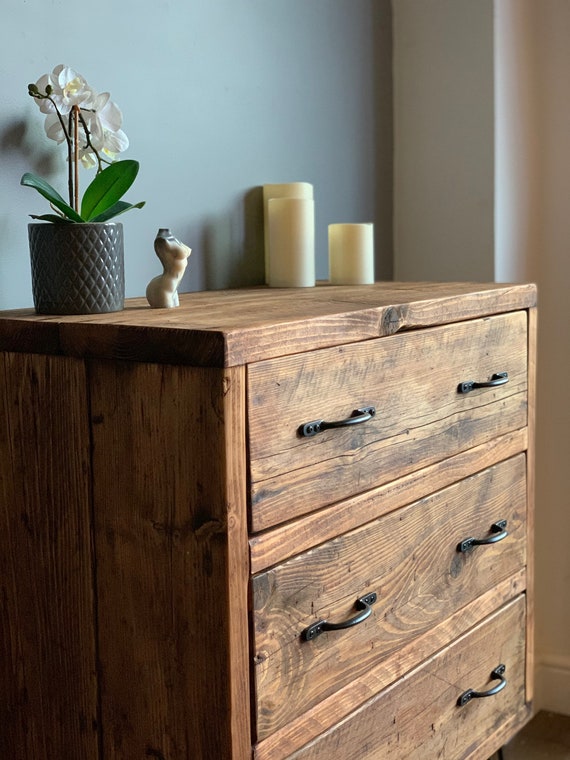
{"points": [[421, 717]]}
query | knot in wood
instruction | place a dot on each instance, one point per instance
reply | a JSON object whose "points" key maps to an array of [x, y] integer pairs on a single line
{"points": [[391, 320], [206, 528]]}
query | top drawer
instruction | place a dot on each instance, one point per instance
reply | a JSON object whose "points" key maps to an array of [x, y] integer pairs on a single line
{"points": [[412, 379]]}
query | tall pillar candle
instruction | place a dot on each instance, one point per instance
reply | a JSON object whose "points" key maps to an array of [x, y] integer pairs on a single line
{"points": [[291, 225], [281, 190], [351, 254]]}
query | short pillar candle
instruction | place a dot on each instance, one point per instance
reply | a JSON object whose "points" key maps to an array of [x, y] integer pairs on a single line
{"points": [[351, 254], [291, 242], [280, 190]]}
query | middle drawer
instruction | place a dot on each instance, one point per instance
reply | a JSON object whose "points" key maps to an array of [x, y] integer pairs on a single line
{"points": [[411, 559]]}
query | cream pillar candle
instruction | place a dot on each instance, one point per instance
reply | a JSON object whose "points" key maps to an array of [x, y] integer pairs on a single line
{"points": [[351, 254], [281, 190], [291, 225]]}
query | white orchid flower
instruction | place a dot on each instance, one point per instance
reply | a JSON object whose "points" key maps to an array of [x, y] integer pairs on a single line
{"points": [[101, 117], [68, 88], [53, 128], [114, 142], [108, 113], [109, 144], [104, 122]]}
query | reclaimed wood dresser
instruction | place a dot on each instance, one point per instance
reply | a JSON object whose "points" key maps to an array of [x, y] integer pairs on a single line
{"points": [[269, 524]]}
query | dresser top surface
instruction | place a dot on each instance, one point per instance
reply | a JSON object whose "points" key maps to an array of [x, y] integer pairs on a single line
{"points": [[233, 327]]}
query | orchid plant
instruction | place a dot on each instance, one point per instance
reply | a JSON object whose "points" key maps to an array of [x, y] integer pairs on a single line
{"points": [[89, 123]]}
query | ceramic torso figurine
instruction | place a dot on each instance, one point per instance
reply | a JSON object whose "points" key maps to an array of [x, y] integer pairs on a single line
{"points": [[161, 292]]}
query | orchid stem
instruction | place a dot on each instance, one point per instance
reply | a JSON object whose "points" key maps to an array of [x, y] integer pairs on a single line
{"points": [[89, 144]]}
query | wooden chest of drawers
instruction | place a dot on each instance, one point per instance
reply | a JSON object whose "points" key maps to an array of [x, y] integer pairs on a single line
{"points": [[269, 525]]}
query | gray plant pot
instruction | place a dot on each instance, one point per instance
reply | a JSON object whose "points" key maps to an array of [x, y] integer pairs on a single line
{"points": [[77, 268]]}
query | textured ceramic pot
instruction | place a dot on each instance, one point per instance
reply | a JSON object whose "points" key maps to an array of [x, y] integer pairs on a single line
{"points": [[77, 268]]}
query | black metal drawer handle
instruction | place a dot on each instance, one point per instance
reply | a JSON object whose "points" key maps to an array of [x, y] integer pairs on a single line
{"points": [[498, 534], [497, 674], [356, 418], [363, 604], [499, 378]]}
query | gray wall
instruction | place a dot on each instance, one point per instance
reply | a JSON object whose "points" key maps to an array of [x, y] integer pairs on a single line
{"points": [[219, 97], [444, 136]]}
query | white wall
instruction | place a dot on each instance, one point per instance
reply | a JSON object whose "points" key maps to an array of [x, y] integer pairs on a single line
{"points": [[532, 215], [443, 117], [551, 22], [218, 97], [523, 223], [517, 142]]}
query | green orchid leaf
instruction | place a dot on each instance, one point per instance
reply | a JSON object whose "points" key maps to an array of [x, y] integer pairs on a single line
{"points": [[52, 218], [107, 188], [50, 194], [118, 208]]}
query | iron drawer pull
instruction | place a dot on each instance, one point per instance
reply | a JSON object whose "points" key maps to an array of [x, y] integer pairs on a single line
{"points": [[470, 694], [499, 378], [356, 418], [498, 534], [363, 604]]}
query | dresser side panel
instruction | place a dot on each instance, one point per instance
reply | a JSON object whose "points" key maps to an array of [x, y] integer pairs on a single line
{"points": [[169, 494], [48, 682]]}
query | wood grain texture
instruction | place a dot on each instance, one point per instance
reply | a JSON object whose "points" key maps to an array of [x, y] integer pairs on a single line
{"points": [[228, 328], [501, 734], [412, 381], [274, 546], [419, 718], [48, 702], [171, 545], [334, 709], [410, 559]]}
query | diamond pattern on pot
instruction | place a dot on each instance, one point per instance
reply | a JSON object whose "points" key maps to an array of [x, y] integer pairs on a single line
{"points": [[77, 268]]}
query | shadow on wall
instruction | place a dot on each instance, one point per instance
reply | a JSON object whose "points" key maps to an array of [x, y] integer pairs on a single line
{"points": [[233, 245], [17, 137]]}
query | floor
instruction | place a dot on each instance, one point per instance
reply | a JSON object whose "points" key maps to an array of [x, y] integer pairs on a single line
{"points": [[546, 737]]}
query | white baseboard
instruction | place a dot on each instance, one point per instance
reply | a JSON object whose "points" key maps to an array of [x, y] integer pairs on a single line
{"points": [[552, 687]]}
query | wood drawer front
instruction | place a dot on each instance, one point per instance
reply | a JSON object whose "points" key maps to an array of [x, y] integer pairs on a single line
{"points": [[411, 379], [419, 716], [410, 558]]}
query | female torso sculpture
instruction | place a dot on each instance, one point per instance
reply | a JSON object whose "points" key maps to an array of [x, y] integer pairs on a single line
{"points": [[162, 291]]}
